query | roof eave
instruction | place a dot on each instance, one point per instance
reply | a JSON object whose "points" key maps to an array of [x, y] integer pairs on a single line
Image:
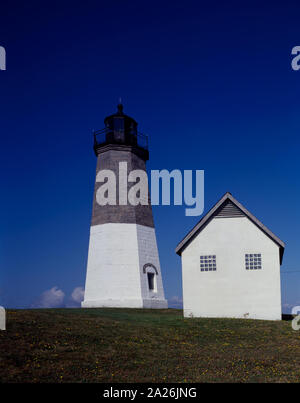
{"points": [[185, 241]]}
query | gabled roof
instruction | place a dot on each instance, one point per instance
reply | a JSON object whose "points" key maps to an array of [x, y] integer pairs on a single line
{"points": [[228, 206]]}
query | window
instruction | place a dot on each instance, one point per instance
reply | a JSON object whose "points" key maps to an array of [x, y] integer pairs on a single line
{"points": [[253, 261], [208, 263], [151, 281]]}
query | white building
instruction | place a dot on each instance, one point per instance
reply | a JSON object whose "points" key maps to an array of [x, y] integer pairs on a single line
{"points": [[231, 265]]}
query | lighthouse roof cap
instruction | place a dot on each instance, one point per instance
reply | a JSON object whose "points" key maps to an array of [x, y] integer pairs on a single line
{"points": [[120, 113]]}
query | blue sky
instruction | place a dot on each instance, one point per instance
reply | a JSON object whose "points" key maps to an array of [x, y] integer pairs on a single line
{"points": [[210, 83]]}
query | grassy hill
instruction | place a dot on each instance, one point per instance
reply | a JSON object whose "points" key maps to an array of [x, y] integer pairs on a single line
{"points": [[132, 345]]}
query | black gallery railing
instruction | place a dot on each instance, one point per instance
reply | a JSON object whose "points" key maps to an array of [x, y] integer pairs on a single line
{"points": [[108, 136]]}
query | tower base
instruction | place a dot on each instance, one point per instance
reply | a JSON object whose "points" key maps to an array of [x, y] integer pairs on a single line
{"points": [[123, 268], [128, 303]]}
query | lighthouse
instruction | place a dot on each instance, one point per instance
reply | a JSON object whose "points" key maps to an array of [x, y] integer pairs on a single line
{"points": [[123, 268]]}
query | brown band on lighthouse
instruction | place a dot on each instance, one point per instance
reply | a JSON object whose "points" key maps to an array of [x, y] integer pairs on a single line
{"points": [[128, 214]]}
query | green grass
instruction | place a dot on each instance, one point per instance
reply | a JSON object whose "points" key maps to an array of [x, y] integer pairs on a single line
{"points": [[133, 345]]}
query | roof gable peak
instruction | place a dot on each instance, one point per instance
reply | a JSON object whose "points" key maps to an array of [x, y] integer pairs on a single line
{"points": [[235, 210]]}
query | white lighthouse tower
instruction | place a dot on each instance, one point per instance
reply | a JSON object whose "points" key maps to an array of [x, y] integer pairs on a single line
{"points": [[123, 268]]}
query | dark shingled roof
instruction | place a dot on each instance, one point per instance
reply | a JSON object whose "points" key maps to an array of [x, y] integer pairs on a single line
{"points": [[215, 211]]}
